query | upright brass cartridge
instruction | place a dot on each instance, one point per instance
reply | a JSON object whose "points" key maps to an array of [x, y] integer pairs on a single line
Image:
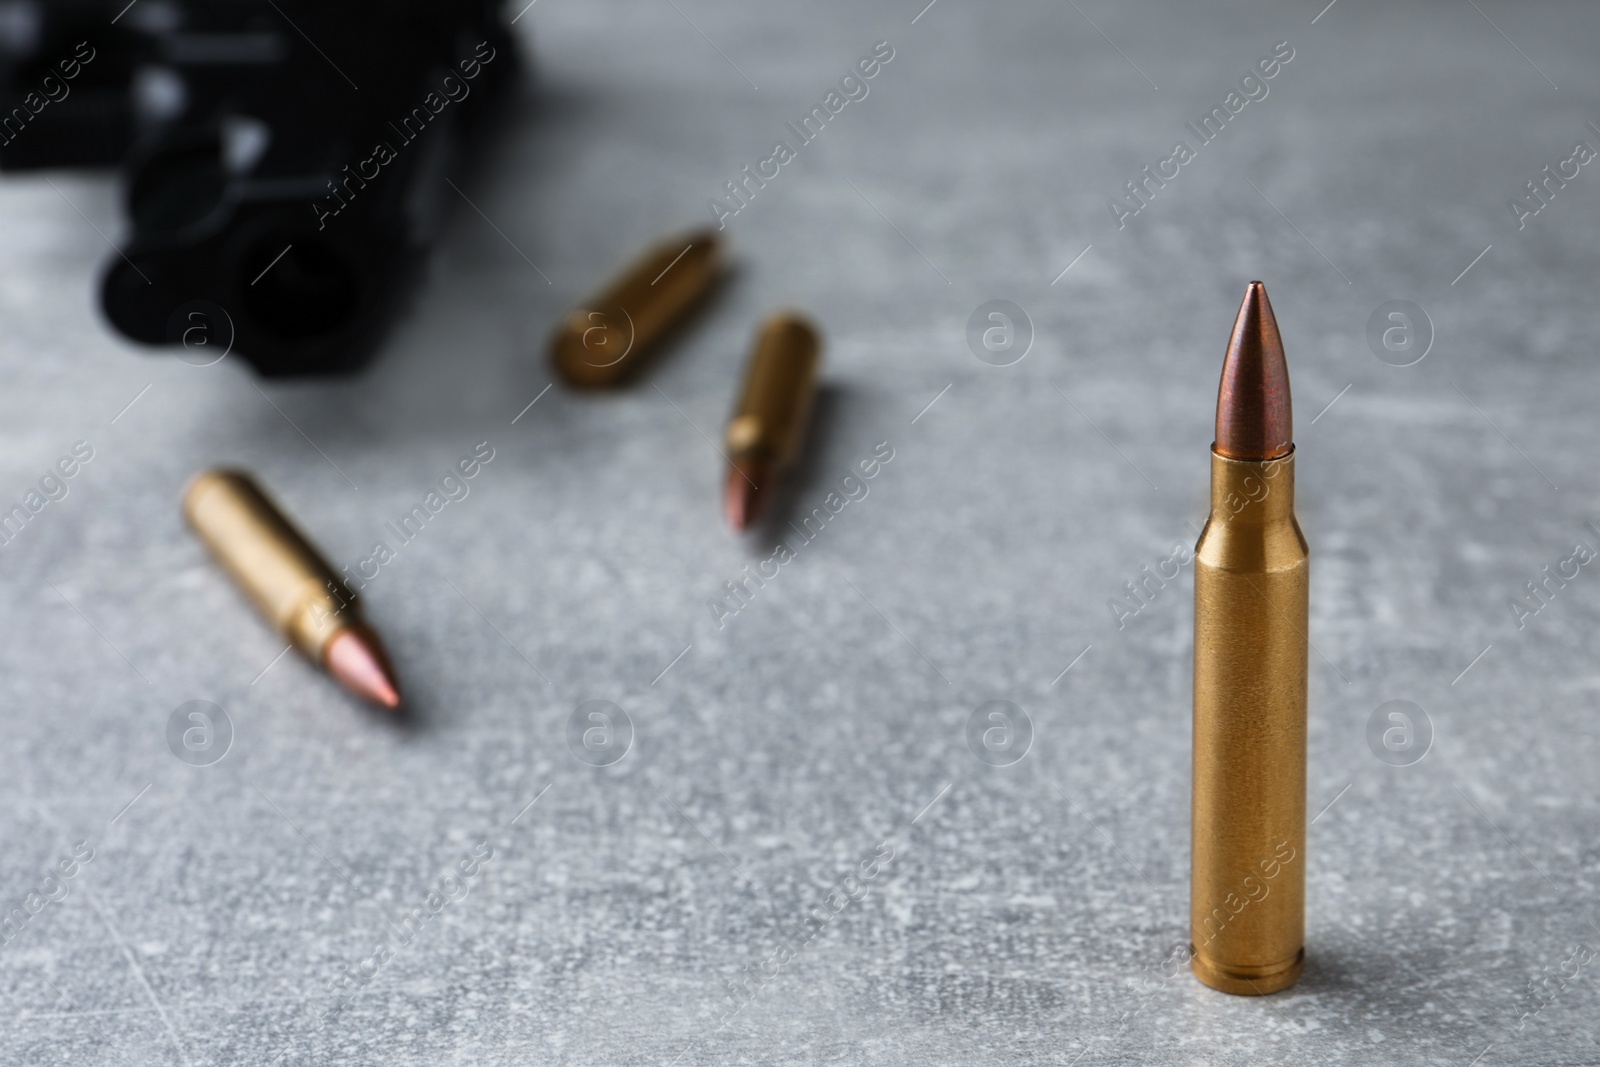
{"points": [[287, 580], [605, 340], [769, 420], [1251, 606]]}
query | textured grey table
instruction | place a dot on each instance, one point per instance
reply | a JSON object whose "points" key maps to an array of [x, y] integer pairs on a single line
{"points": [[1028, 911]]}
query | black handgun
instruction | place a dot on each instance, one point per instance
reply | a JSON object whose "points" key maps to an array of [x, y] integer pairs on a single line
{"points": [[284, 162]]}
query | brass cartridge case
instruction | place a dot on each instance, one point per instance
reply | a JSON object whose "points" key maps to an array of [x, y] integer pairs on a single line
{"points": [[1251, 606], [603, 341], [769, 420], [270, 560]]}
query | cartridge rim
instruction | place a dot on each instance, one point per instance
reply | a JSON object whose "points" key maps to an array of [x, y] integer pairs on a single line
{"points": [[1247, 981]]}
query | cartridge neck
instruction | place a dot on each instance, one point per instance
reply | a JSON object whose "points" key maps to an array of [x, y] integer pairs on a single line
{"points": [[748, 438], [1256, 492], [313, 623]]}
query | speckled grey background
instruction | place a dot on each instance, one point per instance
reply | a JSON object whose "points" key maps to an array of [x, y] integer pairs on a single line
{"points": [[1027, 911]]}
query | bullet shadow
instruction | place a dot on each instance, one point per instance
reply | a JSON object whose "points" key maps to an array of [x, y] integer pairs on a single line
{"points": [[409, 720], [809, 473], [1369, 978]]}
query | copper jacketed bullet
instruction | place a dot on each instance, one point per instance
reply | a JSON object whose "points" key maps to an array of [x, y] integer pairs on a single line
{"points": [[769, 421], [605, 340], [1251, 589], [288, 581]]}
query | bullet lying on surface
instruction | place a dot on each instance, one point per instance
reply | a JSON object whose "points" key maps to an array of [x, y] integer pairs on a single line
{"points": [[1247, 888], [288, 581], [769, 421], [606, 339]]}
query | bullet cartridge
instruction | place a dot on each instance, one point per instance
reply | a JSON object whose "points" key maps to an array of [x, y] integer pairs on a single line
{"points": [[1251, 613], [286, 579], [769, 421], [607, 338]]}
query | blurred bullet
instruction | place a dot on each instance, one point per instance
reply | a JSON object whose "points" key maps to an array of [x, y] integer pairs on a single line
{"points": [[769, 421], [291, 585], [606, 339]]}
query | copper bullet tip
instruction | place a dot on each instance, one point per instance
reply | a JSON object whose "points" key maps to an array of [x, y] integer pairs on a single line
{"points": [[356, 658], [748, 486], [1254, 416]]}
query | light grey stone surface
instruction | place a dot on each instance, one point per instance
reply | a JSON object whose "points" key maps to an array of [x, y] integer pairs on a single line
{"points": [[1027, 910]]}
